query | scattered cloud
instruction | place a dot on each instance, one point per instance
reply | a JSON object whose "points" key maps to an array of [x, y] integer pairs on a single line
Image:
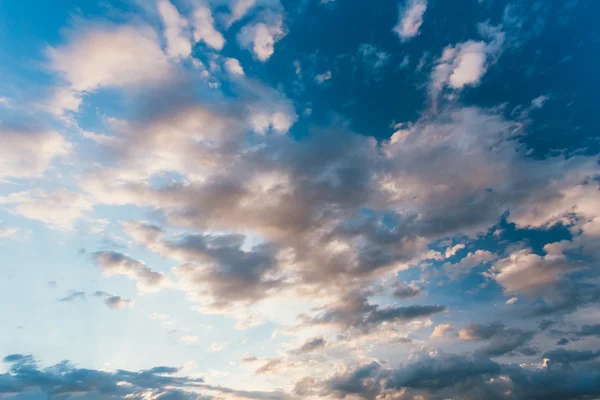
{"points": [[410, 19], [260, 37], [114, 302], [175, 30]]}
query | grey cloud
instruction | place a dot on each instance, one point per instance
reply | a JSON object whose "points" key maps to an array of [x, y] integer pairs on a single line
{"points": [[362, 381], [564, 356], [589, 330], [26, 378], [270, 366], [501, 340], [402, 291], [25, 375], [340, 207], [114, 302], [354, 311], [310, 345], [220, 265], [115, 263], [73, 296], [452, 376]]}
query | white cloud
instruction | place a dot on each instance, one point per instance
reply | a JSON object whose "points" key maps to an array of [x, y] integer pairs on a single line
{"points": [[204, 28], [103, 55], [441, 330], [465, 63], [63, 100], [524, 271], [238, 9], [539, 101], [260, 37], [175, 30], [470, 261], [325, 76], [451, 251], [49, 207], [233, 67], [27, 153], [218, 346], [410, 19], [512, 300]]}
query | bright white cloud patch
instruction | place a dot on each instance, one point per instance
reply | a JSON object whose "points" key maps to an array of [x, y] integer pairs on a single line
{"points": [[105, 55], [175, 30], [260, 37], [410, 19], [64, 100], [204, 28], [234, 67], [465, 63]]}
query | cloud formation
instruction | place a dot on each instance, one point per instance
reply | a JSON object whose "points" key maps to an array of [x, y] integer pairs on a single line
{"points": [[410, 19]]}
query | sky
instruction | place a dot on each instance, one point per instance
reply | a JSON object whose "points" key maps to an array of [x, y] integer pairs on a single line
{"points": [[299, 199]]}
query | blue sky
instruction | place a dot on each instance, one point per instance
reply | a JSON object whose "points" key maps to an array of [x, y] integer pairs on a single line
{"points": [[315, 199]]}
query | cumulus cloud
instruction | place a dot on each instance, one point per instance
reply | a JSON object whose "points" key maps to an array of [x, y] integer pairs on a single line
{"points": [[204, 28], [175, 30], [220, 272], [452, 376], [355, 312], [441, 330], [470, 261], [410, 19], [501, 340], [465, 63], [260, 37], [29, 152], [233, 67], [114, 263], [524, 271], [89, 59], [62, 101], [363, 210], [402, 290]]}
